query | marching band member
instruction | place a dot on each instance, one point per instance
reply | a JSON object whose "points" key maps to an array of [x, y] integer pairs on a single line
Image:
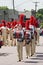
{"points": [[32, 40], [37, 30], [36, 37], [14, 35], [14, 27], [4, 32], [19, 41], [28, 39], [1, 40], [32, 27], [10, 34], [20, 36]]}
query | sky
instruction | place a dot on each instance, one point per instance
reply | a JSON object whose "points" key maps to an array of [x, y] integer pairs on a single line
{"points": [[20, 5]]}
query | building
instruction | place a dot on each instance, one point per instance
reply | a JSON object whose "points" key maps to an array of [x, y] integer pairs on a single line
{"points": [[10, 13]]}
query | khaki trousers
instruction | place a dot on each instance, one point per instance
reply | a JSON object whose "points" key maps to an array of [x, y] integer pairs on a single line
{"points": [[33, 46], [38, 38], [20, 50], [38, 30], [28, 49], [4, 35], [14, 42], [10, 38]]}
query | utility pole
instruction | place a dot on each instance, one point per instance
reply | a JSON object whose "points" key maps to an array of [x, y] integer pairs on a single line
{"points": [[13, 6], [36, 4]]}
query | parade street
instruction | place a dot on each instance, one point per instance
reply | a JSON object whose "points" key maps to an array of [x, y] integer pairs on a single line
{"points": [[8, 56]]}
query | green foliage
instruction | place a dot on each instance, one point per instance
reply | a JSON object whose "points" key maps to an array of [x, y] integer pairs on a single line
{"points": [[3, 8], [40, 11], [39, 14], [41, 24]]}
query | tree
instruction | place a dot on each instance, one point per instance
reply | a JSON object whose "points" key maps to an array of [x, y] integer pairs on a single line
{"points": [[39, 14], [40, 11], [4, 8]]}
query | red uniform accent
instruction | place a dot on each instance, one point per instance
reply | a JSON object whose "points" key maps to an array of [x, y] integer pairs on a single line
{"points": [[33, 21], [3, 23], [0, 25], [27, 35], [9, 25], [21, 20], [17, 35], [14, 23], [27, 25]]}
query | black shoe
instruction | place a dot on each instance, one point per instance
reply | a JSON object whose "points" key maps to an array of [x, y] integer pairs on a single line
{"points": [[19, 60], [32, 55], [27, 57]]}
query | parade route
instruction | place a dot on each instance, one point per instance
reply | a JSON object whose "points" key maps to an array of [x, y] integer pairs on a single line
{"points": [[21, 32], [8, 56]]}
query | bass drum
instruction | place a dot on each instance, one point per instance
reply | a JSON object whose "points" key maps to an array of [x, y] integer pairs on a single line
{"points": [[27, 37]]}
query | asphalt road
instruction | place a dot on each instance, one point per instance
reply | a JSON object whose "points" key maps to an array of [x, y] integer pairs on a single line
{"points": [[8, 56]]}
